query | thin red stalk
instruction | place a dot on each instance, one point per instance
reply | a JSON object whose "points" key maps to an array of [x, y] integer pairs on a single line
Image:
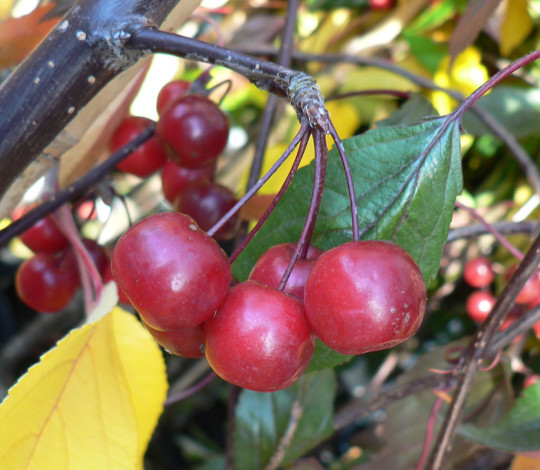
{"points": [[303, 130], [305, 236], [191, 390], [503, 241], [90, 277], [495, 79], [349, 178], [275, 201], [429, 433]]}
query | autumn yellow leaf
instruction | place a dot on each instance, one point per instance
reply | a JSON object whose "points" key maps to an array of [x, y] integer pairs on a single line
{"points": [[465, 75], [525, 462], [515, 27], [92, 402]]}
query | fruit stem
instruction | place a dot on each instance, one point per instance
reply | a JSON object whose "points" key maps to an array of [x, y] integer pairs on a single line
{"points": [[316, 196], [429, 433], [494, 80], [297, 138], [89, 275], [503, 241], [350, 181], [191, 390], [75, 190], [277, 198]]}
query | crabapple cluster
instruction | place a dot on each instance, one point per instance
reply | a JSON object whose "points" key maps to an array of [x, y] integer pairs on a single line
{"points": [[48, 280], [190, 135], [358, 297], [479, 274]]}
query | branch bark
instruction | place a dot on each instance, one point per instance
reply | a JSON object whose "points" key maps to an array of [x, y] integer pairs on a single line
{"points": [[78, 58]]}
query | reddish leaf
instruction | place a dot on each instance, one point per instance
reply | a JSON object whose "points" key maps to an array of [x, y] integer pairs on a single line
{"points": [[19, 36]]}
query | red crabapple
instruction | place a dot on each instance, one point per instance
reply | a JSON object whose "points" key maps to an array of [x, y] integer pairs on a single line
{"points": [[173, 273], [259, 338], [365, 296], [270, 267]]}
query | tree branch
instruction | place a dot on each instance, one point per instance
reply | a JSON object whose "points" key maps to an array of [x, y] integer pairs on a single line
{"points": [[76, 60]]}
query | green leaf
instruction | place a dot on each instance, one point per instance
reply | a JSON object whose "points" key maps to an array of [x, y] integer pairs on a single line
{"points": [[516, 108], [416, 108], [325, 358], [406, 179], [262, 419], [519, 431], [428, 52], [333, 4]]}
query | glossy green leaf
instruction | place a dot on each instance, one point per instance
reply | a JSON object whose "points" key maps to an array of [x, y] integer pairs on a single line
{"points": [[325, 357], [416, 108], [519, 431], [406, 180], [262, 419]]}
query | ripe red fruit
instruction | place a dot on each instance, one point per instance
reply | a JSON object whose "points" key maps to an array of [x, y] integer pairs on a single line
{"points": [[185, 342], [381, 5], [174, 178], [173, 273], [272, 264], [479, 304], [478, 272], [531, 289], [207, 203], [46, 282], [194, 130], [44, 237], [259, 338], [365, 296], [170, 93], [148, 158]]}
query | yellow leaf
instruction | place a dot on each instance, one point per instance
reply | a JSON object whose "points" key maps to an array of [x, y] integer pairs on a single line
{"points": [[92, 402], [515, 27], [466, 75], [525, 462]]}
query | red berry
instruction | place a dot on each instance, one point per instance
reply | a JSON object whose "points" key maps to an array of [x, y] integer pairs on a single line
{"points": [[381, 5], [44, 236], [172, 272], [175, 178], [194, 130], [148, 158], [46, 282], [185, 342], [365, 296], [170, 93], [259, 338], [478, 272], [108, 277], [479, 304], [272, 264], [531, 289], [207, 203]]}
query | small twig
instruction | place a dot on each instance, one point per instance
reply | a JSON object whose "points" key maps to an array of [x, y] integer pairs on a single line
{"points": [[73, 191], [489, 228], [284, 443], [504, 228], [475, 351], [191, 391], [429, 433], [284, 59]]}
